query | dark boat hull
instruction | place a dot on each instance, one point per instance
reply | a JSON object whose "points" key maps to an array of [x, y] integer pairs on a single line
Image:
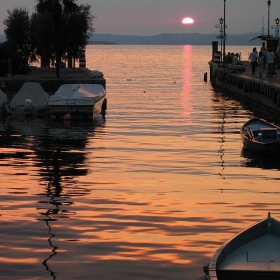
{"points": [[251, 142]]}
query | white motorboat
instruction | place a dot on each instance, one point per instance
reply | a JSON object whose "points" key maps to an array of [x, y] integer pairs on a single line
{"points": [[31, 99], [78, 101]]}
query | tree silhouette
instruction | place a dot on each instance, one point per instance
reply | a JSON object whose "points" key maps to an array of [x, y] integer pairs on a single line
{"points": [[56, 8], [18, 33]]}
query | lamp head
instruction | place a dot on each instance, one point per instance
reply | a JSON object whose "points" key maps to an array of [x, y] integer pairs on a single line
{"points": [[268, 2], [221, 20], [277, 21]]}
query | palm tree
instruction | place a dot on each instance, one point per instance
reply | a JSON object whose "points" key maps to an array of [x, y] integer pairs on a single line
{"points": [[55, 8]]}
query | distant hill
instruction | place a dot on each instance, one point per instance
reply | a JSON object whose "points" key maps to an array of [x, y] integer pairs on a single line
{"points": [[169, 39], [101, 43], [174, 39]]}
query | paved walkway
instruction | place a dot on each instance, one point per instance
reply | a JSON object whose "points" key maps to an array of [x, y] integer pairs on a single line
{"points": [[248, 72]]}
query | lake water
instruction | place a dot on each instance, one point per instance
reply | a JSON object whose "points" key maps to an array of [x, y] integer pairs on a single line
{"points": [[149, 193]]}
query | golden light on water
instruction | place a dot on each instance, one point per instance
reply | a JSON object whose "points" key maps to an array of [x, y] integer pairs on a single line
{"points": [[160, 185], [19, 261]]}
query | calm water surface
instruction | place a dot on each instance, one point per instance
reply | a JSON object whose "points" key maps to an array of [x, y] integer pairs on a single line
{"points": [[148, 193]]}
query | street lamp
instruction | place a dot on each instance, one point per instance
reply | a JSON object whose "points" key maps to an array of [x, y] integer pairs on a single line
{"points": [[268, 16], [221, 26], [225, 36], [276, 27]]}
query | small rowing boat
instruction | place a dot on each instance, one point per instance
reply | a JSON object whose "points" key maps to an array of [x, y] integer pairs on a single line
{"points": [[261, 136], [252, 254]]}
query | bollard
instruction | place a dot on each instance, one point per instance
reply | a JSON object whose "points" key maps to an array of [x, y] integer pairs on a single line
{"points": [[205, 77]]}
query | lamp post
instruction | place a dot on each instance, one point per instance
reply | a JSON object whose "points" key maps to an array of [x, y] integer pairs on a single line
{"points": [[268, 16], [221, 26], [224, 45], [276, 27]]}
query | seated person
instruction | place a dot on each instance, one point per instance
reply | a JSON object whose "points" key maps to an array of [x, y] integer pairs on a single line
{"points": [[228, 58], [236, 60]]}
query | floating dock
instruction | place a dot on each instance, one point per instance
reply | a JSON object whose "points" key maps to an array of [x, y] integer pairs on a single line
{"points": [[48, 79]]}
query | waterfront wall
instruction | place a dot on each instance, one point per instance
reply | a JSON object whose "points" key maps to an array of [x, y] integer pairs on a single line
{"points": [[48, 80], [263, 92]]}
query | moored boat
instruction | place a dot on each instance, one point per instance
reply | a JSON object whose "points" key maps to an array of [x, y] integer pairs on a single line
{"points": [[31, 99], [261, 136], [78, 101], [252, 254]]}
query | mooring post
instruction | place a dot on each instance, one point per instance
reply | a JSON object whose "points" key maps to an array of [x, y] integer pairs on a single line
{"points": [[205, 77]]}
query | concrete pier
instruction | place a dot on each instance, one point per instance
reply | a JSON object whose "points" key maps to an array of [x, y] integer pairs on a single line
{"points": [[48, 80], [263, 91]]}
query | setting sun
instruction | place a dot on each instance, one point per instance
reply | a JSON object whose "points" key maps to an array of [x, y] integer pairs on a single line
{"points": [[187, 20]]}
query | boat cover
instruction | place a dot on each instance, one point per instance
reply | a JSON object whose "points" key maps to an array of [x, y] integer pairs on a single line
{"points": [[30, 91], [78, 91], [96, 74]]}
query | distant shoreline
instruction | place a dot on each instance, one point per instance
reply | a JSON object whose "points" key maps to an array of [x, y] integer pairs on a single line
{"points": [[101, 43]]}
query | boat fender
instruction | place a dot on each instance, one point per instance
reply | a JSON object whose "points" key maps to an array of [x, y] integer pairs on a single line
{"points": [[270, 92], [273, 95], [245, 86], [278, 98], [258, 88], [67, 116], [261, 89], [265, 90], [27, 104], [248, 86], [254, 87], [240, 83], [229, 78], [206, 269], [251, 87]]}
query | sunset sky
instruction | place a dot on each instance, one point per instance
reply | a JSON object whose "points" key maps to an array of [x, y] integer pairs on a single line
{"points": [[152, 17]]}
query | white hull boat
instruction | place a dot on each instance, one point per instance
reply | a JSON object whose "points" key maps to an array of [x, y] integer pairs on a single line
{"points": [[78, 101], [30, 100]]}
